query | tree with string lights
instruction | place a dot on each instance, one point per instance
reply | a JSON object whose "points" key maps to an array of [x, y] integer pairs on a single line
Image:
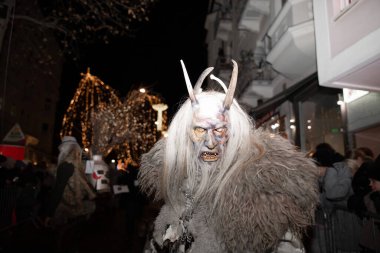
{"points": [[35, 37], [105, 124], [131, 128], [78, 22], [92, 95]]}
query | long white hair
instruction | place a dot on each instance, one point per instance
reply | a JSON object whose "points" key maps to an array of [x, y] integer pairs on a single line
{"points": [[181, 158], [253, 190]]}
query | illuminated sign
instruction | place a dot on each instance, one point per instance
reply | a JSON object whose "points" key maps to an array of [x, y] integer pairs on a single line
{"points": [[351, 95]]}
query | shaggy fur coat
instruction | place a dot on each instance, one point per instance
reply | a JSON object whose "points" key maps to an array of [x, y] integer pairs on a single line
{"points": [[274, 193]]}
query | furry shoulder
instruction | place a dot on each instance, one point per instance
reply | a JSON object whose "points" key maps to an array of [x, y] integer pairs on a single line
{"points": [[150, 168], [272, 194]]}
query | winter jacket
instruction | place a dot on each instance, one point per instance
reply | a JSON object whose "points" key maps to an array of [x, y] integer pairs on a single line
{"points": [[336, 187]]}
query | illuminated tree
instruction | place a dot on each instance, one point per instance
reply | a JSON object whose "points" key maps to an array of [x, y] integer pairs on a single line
{"points": [[76, 22], [131, 128], [93, 20], [91, 96], [88, 21]]}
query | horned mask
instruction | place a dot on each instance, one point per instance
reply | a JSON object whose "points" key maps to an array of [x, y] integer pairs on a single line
{"points": [[197, 88], [210, 122]]}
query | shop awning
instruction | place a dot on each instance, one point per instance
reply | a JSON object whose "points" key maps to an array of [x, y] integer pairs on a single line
{"points": [[288, 94]]}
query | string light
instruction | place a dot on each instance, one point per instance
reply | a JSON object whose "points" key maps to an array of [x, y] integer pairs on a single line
{"points": [[87, 21], [108, 125], [138, 130], [91, 95]]}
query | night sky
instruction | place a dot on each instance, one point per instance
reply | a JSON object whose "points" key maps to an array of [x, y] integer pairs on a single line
{"points": [[151, 59]]}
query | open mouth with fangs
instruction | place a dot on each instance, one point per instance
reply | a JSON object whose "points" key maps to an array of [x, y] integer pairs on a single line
{"points": [[209, 156]]}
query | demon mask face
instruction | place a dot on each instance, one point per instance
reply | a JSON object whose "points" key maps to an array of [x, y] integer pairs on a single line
{"points": [[210, 124], [209, 129]]}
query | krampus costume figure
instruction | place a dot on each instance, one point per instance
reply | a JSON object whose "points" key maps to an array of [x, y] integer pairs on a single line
{"points": [[227, 187]]}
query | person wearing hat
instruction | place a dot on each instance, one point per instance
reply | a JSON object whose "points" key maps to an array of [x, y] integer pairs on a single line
{"points": [[72, 196]]}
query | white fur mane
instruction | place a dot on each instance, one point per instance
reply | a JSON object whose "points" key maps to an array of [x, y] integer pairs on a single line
{"points": [[181, 161]]}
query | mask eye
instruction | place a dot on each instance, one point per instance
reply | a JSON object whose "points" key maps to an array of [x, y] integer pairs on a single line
{"points": [[220, 130], [199, 130]]}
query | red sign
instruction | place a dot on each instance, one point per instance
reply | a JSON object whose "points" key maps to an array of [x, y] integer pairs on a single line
{"points": [[16, 152]]}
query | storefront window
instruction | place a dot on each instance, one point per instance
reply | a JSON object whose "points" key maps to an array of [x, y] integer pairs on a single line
{"points": [[276, 125], [321, 121]]}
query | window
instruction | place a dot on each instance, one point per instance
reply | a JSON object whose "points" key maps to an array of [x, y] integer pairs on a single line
{"points": [[321, 121], [342, 6], [12, 111]]}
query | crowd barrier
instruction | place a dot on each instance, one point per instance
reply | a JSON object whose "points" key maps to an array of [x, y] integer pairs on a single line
{"points": [[335, 231], [342, 231]]}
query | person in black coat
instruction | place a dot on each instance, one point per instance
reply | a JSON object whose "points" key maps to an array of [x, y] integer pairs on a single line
{"points": [[369, 239], [360, 183]]}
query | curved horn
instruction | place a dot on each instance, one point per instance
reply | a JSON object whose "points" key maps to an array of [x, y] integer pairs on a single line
{"points": [[188, 83], [231, 88], [220, 82], [201, 78]]}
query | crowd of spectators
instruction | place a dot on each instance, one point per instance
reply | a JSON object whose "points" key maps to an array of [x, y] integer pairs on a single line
{"points": [[24, 190], [349, 200], [33, 198]]}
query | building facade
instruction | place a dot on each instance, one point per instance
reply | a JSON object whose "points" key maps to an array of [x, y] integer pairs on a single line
{"points": [[295, 67], [30, 74]]}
